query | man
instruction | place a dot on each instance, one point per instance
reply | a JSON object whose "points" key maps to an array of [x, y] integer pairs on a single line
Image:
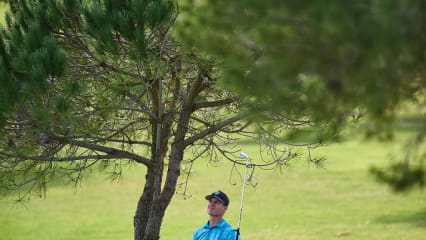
{"points": [[216, 227]]}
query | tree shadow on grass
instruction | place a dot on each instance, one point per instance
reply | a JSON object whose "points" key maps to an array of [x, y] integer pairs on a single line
{"points": [[417, 218]]}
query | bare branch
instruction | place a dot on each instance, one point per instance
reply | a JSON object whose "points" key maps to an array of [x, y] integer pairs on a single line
{"points": [[115, 153], [214, 128], [211, 104], [76, 158]]}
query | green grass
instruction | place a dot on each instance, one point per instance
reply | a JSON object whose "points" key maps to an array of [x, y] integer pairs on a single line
{"points": [[301, 203]]}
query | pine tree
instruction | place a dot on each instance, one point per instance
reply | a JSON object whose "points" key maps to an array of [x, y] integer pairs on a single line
{"points": [[103, 84], [329, 60]]}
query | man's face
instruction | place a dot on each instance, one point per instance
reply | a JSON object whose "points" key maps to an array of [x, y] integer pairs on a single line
{"points": [[216, 208]]}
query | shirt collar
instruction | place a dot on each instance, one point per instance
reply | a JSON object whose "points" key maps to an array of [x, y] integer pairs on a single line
{"points": [[220, 224]]}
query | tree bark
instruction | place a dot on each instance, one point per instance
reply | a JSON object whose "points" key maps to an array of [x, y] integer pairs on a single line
{"points": [[152, 205], [142, 212]]}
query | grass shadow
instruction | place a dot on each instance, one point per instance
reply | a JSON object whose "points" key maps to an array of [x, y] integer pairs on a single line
{"points": [[416, 218]]}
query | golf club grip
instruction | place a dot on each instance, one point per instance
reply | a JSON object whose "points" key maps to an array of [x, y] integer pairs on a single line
{"points": [[238, 234]]}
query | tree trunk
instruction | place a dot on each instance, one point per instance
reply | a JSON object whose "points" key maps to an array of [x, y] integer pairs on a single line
{"points": [[151, 207], [141, 217], [154, 200], [149, 212], [148, 220], [152, 231]]}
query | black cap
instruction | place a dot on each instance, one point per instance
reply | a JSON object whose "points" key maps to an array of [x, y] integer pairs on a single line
{"points": [[219, 195]]}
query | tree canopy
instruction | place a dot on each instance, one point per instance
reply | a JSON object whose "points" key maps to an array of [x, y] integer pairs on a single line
{"points": [[315, 58], [326, 60], [103, 84]]}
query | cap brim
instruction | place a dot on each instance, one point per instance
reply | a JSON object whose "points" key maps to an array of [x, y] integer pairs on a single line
{"points": [[213, 196]]}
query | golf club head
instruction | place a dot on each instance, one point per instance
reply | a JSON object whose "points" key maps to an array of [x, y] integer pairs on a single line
{"points": [[243, 155]]}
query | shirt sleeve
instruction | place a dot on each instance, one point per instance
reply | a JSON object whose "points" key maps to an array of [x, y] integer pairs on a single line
{"points": [[195, 235], [232, 235]]}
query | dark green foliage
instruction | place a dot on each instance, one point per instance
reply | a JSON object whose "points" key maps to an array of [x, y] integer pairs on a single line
{"points": [[62, 104], [157, 12], [41, 116], [400, 176], [321, 60], [31, 57], [315, 58], [133, 20], [43, 44]]}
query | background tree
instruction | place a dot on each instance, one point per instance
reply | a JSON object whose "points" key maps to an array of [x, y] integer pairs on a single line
{"points": [[323, 59], [104, 84]]}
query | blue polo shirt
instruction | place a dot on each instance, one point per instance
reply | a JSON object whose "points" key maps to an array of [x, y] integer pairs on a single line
{"points": [[221, 231]]}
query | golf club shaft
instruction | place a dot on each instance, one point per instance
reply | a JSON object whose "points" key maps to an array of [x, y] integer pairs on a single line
{"points": [[242, 198]]}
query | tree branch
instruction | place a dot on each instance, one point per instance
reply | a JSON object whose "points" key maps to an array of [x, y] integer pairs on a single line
{"points": [[113, 152], [218, 103], [214, 128], [75, 158]]}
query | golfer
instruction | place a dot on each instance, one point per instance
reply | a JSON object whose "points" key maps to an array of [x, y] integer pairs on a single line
{"points": [[216, 227]]}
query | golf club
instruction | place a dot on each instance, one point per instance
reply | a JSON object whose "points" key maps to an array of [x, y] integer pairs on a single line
{"points": [[246, 157]]}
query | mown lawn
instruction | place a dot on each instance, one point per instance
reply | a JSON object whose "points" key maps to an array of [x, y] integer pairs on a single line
{"points": [[301, 203]]}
